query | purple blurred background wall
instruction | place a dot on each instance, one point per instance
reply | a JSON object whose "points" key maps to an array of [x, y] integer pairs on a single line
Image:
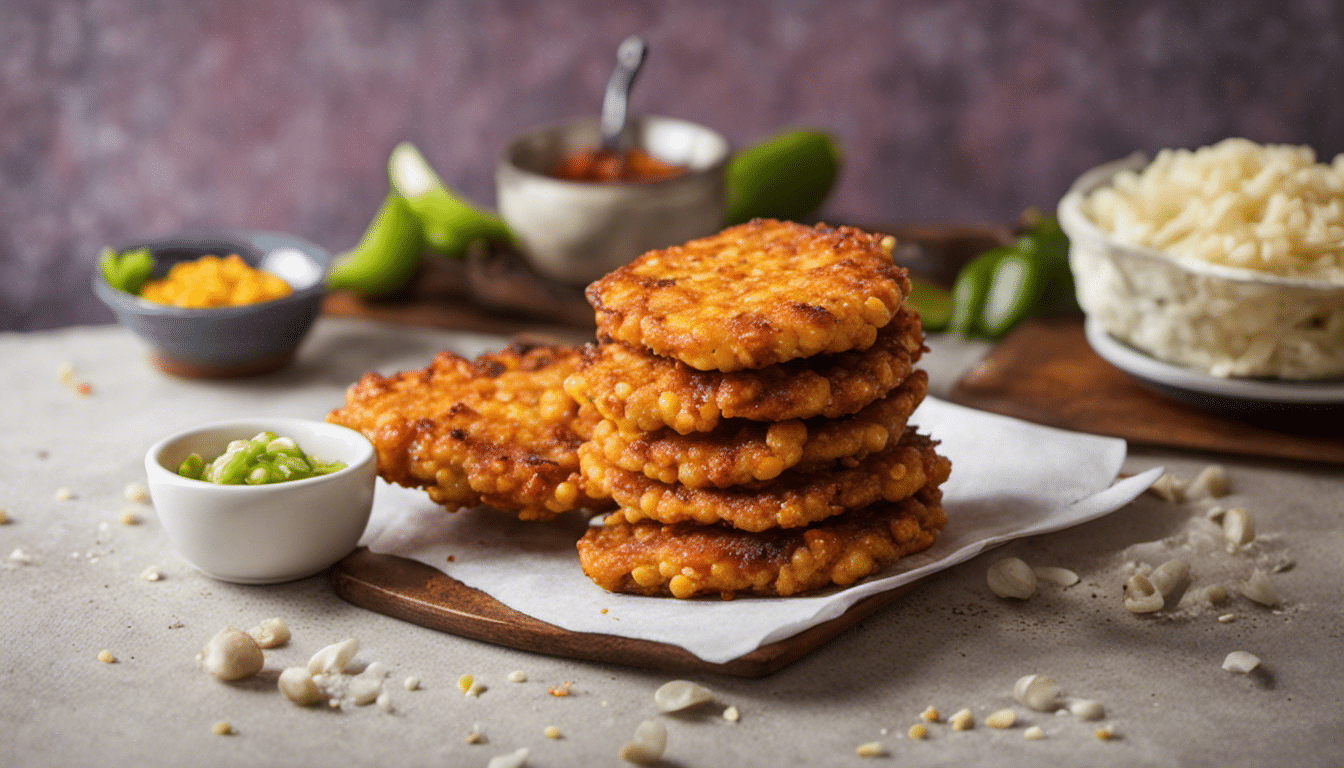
{"points": [[122, 119]]}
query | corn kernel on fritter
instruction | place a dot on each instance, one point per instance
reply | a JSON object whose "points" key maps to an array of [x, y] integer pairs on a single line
{"points": [[685, 560], [642, 392], [754, 295], [498, 430], [741, 452], [789, 501]]}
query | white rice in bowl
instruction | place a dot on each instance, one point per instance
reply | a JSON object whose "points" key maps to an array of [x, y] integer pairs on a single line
{"points": [[1228, 259]]}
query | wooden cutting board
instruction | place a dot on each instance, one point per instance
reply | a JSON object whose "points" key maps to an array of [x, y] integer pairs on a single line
{"points": [[1045, 371], [417, 593]]}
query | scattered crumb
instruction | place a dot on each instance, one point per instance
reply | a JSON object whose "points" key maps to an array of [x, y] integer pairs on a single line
{"points": [[84, 388], [516, 759], [551, 732], [918, 731], [464, 683], [474, 736], [63, 494], [107, 657], [128, 517], [604, 611], [1227, 618], [19, 557], [4, 517], [452, 558], [384, 701], [871, 749], [135, 492], [930, 715], [152, 573], [222, 728], [1105, 733], [561, 689], [963, 720], [475, 690], [517, 676], [732, 715], [1034, 733], [1003, 718], [412, 683], [1241, 661]]}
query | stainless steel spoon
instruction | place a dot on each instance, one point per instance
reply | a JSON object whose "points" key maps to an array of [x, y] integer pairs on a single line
{"points": [[615, 104]]}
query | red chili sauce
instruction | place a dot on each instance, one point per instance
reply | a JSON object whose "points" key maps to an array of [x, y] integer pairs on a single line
{"points": [[604, 165]]}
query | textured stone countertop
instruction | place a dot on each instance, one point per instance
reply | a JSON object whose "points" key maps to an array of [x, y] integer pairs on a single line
{"points": [[71, 579]]}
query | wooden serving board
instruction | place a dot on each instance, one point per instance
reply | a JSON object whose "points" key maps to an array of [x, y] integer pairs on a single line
{"points": [[422, 595], [1045, 371]]}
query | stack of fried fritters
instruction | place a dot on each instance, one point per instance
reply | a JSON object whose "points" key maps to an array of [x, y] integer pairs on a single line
{"points": [[753, 389]]}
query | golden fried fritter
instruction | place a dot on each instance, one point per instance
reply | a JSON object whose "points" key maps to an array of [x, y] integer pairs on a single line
{"points": [[498, 430], [685, 560], [754, 295], [643, 392], [742, 452], [791, 500]]}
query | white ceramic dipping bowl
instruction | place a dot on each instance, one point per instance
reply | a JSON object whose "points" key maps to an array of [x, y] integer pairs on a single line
{"points": [[264, 534], [577, 231]]}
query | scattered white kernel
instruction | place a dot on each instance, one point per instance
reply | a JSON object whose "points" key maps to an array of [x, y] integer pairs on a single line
{"points": [[231, 654], [1087, 709], [1011, 577], [135, 492], [412, 683], [1241, 661], [63, 494], [1034, 733], [677, 695], [1210, 483], [1260, 588], [384, 701], [297, 685], [1170, 577], [871, 749], [732, 715], [128, 517], [334, 658], [270, 633], [475, 735], [648, 744], [222, 728], [1168, 487], [1227, 618], [516, 759], [962, 720], [1215, 594], [517, 676], [551, 732], [152, 573], [1039, 692], [1238, 528], [106, 656], [1141, 596], [1060, 577], [1003, 718], [19, 557]]}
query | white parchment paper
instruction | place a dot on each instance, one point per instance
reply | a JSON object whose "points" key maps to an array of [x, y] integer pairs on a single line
{"points": [[1009, 479]]}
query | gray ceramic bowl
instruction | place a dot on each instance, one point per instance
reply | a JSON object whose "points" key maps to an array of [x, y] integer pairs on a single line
{"points": [[577, 231], [226, 341]]}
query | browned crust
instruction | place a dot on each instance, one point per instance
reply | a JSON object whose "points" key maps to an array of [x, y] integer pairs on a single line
{"points": [[687, 560], [754, 295], [642, 392], [792, 500], [740, 452], [497, 430]]}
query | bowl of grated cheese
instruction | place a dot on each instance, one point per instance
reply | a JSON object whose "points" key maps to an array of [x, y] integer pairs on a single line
{"points": [[1228, 259]]}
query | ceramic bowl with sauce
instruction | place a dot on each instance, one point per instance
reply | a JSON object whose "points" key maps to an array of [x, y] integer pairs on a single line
{"points": [[264, 534], [576, 231], [220, 342]]}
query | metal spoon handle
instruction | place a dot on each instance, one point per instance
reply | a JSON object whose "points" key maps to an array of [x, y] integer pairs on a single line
{"points": [[616, 101]]}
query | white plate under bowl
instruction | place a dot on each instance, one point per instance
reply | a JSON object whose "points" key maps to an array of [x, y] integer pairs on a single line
{"points": [[1213, 392]]}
